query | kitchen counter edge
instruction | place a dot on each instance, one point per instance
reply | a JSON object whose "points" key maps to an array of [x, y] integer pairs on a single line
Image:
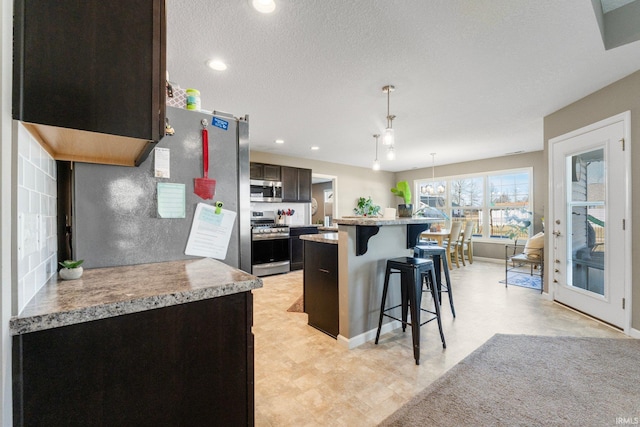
{"points": [[331, 238], [384, 221], [108, 292]]}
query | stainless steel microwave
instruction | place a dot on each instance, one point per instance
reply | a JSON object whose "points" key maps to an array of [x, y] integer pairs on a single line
{"points": [[266, 191]]}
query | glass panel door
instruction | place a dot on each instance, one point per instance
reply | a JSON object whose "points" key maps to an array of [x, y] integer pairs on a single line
{"points": [[587, 206], [590, 242]]}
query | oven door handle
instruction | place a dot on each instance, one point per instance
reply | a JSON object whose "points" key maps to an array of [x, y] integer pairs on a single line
{"points": [[257, 237]]}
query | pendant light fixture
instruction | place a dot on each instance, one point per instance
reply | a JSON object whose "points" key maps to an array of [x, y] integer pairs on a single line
{"points": [[391, 152], [431, 188], [388, 138], [376, 162]]}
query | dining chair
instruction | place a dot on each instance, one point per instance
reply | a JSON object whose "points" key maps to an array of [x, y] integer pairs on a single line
{"points": [[465, 243], [451, 244]]}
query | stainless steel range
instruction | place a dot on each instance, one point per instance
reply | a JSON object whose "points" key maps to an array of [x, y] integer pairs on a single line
{"points": [[269, 245]]}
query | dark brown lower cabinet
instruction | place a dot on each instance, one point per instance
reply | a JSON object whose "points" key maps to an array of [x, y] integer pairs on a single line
{"points": [[296, 247], [185, 365], [321, 286]]}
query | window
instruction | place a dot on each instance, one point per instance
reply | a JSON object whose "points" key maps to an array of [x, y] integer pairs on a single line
{"points": [[467, 199], [499, 203], [510, 215]]}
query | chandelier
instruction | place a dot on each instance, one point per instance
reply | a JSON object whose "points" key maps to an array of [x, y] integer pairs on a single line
{"points": [[431, 188]]}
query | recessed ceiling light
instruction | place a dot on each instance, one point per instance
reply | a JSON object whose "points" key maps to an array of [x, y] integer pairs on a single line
{"points": [[315, 147], [264, 6], [279, 141], [216, 64]]}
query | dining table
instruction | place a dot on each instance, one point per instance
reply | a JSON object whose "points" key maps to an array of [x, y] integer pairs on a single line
{"points": [[438, 235]]}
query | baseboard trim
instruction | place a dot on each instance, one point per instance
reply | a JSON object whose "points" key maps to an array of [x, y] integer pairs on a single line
{"points": [[491, 260], [351, 343], [634, 333]]}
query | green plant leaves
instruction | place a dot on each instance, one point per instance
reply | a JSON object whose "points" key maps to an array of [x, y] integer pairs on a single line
{"points": [[71, 263], [366, 207], [403, 191]]}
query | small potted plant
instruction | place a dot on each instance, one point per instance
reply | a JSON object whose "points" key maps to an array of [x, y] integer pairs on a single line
{"points": [[71, 269], [365, 207], [403, 191]]}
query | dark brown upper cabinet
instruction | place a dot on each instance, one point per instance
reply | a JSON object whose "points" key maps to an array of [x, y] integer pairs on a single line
{"points": [[264, 172], [296, 184], [89, 77]]}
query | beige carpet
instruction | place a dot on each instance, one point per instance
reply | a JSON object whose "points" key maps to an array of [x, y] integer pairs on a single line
{"points": [[520, 380]]}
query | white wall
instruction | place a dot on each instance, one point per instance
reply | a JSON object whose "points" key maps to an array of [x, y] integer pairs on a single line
{"points": [[37, 231]]}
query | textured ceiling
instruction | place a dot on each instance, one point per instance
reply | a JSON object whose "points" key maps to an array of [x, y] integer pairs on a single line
{"points": [[473, 78]]}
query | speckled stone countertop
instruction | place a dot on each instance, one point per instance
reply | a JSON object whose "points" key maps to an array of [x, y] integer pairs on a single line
{"points": [[384, 221], [320, 227], [114, 291], [331, 238]]}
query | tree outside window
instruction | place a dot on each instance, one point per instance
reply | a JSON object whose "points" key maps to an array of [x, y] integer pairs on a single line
{"points": [[493, 201], [467, 200], [509, 203]]}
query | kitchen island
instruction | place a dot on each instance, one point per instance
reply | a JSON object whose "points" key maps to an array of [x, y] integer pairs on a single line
{"points": [[364, 245], [154, 344], [321, 281]]}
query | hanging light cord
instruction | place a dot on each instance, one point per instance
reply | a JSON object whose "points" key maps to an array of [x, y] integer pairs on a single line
{"points": [[388, 89], [388, 107], [433, 169]]}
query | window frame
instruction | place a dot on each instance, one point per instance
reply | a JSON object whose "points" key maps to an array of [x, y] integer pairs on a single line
{"points": [[485, 208]]}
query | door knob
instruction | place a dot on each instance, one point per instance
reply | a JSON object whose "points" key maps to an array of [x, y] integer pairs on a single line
{"points": [[556, 233]]}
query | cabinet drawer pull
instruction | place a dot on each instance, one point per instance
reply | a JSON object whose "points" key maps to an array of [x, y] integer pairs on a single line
{"points": [[324, 271]]}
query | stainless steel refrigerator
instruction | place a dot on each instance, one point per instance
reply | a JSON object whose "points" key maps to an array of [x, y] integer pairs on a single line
{"points": [[115, 219]]}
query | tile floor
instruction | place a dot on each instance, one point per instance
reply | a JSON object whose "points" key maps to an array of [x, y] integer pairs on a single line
{"points": [[305, 378]]}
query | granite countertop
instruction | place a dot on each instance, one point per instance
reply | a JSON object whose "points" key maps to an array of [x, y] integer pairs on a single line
{"points": [[114, 291], [320, 227], [384, 221], [331, 238]]}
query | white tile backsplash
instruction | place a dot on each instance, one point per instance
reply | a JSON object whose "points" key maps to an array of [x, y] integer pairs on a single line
{"points": [[40, 181], [37, 239], [29, 175], [302, 215], [20, 171], [23, 200]]}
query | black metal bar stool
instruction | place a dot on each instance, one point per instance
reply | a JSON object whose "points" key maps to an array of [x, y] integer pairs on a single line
{"points": [[438, 254], [413, 271]]}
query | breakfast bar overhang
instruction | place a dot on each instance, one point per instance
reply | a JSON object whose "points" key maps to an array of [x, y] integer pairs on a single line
{"points": [[364, 245]]}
